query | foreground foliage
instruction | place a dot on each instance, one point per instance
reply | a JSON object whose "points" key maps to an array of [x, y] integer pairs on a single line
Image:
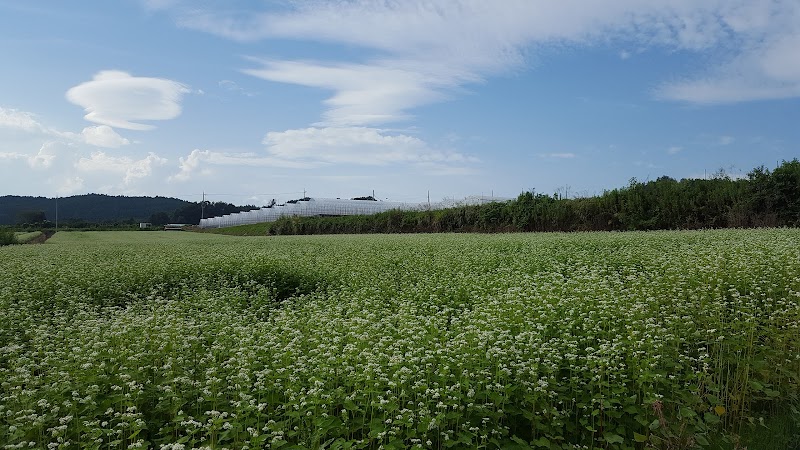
{"points": [[178, 340]]}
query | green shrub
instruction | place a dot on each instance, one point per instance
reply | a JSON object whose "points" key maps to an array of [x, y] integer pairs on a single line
{"points": [[7, 238]]}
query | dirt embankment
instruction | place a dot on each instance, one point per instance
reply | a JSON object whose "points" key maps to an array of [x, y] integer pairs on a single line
{"points": [[42, 237]]}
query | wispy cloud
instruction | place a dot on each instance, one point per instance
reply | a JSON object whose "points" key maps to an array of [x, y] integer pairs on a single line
{"points": [[98, 136], [313, 147], [423, 50], [364, 94], [674, 150], [355, 145], [232, 86], [726, 140], [557, 155], [197, 162], [762, 37], [43, 159], [117, 99]]}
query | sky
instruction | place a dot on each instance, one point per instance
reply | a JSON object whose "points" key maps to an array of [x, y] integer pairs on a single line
{"points": [[246, 101]]}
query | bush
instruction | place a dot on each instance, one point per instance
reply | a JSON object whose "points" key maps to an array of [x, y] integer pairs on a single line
{"points": [[7, 238]]}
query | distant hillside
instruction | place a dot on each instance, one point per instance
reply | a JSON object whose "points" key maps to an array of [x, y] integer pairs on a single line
{"points": [[89, 207]]}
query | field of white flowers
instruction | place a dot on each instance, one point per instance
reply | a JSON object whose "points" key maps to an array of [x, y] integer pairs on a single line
{"points": [[562, 341]]}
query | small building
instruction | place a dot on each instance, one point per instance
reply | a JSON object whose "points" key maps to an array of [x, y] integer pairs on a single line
{"points": [[174, 227], [145, 225]]}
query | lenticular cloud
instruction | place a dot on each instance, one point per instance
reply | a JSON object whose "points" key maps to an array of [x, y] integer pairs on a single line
{"points": [[119, 100]]}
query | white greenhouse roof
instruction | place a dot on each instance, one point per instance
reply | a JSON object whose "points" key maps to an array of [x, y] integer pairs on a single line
{"points": [[311, 207]]}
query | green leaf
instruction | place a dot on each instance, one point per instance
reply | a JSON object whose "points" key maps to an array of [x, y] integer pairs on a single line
{"points": [[613, 438], [631, 409], [639, 437], [711, 418], [541, 442], [654, 424], [687, 412]]}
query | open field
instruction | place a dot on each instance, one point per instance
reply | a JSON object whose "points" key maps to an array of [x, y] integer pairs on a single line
{"points": [[571, 341]]}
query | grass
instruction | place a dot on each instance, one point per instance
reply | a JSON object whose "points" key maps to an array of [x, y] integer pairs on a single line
{"points": [[25, 237], [255, 229], [662, 340]]}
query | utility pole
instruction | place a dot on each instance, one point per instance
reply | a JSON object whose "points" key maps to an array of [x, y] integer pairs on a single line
{"points": [[203, 207], [56, 212]]}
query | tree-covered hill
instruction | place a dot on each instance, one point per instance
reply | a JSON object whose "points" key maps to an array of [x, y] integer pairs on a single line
{"points": [[96, 208]]}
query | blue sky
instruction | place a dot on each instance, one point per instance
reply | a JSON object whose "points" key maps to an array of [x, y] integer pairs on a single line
{"points": [[252, 100]]}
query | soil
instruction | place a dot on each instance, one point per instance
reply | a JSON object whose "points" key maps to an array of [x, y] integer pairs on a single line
{"points": [[42, 237]]}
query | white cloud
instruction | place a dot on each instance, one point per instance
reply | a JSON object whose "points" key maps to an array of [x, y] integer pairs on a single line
{"points": [[189, 164], [19, 120], [70, 185], [130, 169], [99, 136], [314, 147], [44, 158], [726, 140], [12, 155], [423, 49], [103, 136], [763, 37], [674, 150], [119, 100], [355, 145], [232, 86], [365, 94], [193, 162], [557, 155]]}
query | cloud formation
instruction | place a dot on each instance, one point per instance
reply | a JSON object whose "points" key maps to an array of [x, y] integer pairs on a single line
{"points": [[43, 159], [117, 99], [354, 145], [129, 168], [103, 136], [313, 147], [18, 120], [557, 155], [422, 50]]}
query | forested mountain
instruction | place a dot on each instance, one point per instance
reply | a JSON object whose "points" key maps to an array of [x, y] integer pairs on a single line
{"points": [[80, 210], [94, 208]]}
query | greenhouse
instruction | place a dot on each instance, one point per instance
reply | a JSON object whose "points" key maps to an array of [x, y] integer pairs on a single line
{"points": [[320, 207]]}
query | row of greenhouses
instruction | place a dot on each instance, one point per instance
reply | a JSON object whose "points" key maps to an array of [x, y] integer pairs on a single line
{"points": [[320, 207]]}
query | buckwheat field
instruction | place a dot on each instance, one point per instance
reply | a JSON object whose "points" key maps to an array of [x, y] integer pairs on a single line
{"points": [[663, 340]]}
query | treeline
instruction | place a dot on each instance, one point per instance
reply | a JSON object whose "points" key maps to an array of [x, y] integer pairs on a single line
{"points": [[99, 211], [764, 199], [88, 208]]}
